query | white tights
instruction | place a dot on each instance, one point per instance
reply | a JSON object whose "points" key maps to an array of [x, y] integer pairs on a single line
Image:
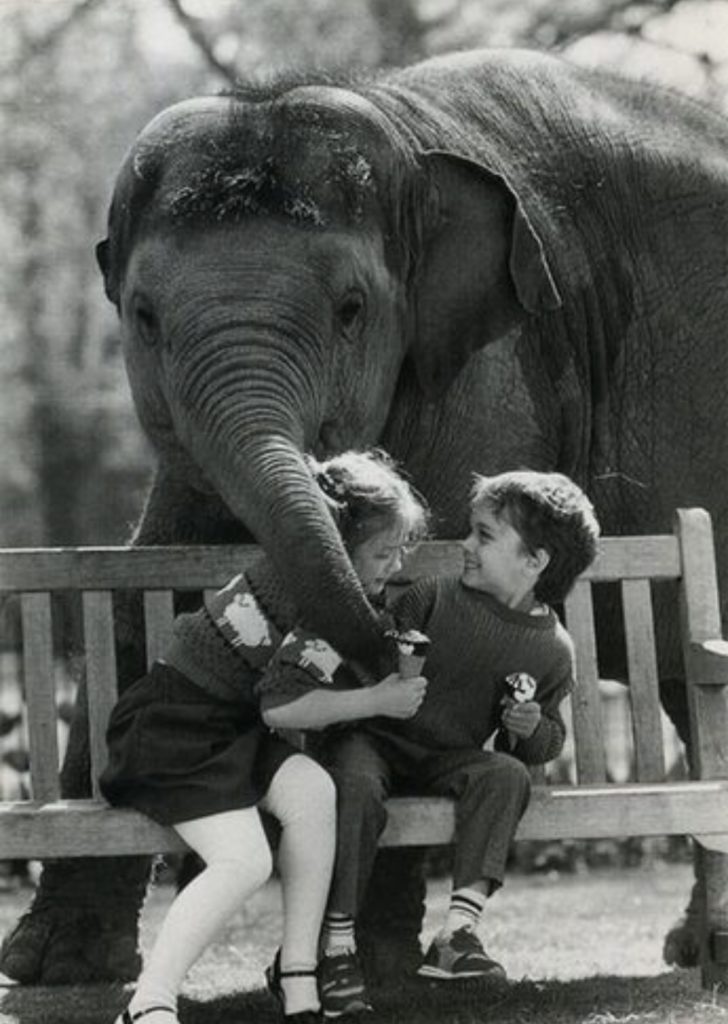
{"points": [[302, 796], [238, 861]]}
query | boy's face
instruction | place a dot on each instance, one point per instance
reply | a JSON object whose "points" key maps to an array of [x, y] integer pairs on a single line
{"points": [[496, 559], [379, 558]]}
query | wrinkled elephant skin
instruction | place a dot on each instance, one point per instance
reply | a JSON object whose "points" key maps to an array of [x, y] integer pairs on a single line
{"points": [[484, 261]]}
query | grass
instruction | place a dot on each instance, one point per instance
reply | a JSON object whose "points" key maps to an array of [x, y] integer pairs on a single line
{"points": [[579, 949]]}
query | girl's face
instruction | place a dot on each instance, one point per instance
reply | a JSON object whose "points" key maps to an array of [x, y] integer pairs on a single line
{"points": [[379, 558]]}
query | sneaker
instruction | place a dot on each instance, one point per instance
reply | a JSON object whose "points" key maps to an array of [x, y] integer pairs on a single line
{"points": [[459, 955], [341, 985]]}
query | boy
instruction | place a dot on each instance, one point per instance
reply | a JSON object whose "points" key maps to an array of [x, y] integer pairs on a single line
{"points": [[531, 535]]}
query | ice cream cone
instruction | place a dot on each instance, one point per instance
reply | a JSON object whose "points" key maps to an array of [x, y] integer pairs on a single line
{"points": [[410, 665], [412, 650], [520, 688]]}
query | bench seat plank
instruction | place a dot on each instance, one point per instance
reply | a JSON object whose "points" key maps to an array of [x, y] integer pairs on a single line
{"points": [[579, 812], [75, 828]]}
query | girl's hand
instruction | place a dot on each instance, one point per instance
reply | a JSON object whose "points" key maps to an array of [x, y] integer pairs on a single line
{"points": [[395, 697], [521, 720]]}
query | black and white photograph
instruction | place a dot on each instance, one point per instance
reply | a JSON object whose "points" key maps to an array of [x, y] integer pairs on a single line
{"points": [[364, 512]]}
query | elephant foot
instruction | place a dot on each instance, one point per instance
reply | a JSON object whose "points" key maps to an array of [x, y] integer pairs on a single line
{"points": [[682, 942], [681, 947], [82, 926]]}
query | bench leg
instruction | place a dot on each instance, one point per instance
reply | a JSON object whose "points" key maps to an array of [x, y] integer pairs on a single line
{"points": [[713, 888], [390, 922]]}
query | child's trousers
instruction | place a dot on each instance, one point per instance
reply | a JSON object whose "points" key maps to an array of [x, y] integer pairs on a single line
{"points": [[491, 792]]}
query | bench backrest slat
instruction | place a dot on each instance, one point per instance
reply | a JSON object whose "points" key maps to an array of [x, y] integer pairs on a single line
{"points": [[98, 628], [656, 557], [651, 557], [40, 696], [701, 620], [643, 682], [585, 700], [158, 620], [176, 568]]}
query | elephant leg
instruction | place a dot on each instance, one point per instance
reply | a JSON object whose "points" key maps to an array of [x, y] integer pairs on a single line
{"points": [[681, 947], [390, 922], [82, 925]]}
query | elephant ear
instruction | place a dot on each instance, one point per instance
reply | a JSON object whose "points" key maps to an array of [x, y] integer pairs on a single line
{"points": [[103, 258], [483, 269]]}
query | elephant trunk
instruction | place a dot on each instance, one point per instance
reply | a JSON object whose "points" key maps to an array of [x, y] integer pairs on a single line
{"points": [[274, 494], [248, 439]]}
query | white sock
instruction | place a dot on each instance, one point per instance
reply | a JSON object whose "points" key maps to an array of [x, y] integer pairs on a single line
{"points": [[339, 936], [466, 906]]}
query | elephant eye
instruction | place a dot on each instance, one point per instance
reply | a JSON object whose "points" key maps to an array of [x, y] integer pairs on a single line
{"points": [[350, 310], [146, 322]]}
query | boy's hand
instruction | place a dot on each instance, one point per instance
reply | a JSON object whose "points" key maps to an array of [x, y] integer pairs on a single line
{"points": [[396, 697], [521, 720]]}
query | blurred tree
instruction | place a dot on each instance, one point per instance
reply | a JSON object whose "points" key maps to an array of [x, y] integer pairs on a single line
{"points": [[73, 464], [247, 38]]}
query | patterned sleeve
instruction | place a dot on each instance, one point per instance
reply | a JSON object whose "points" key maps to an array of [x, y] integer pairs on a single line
{"points": [[302, 663], [243, 622], [547, 741]]}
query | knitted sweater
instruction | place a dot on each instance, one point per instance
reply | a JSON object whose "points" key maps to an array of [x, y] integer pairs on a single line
{"points": [[224, 646], [476, 642]]}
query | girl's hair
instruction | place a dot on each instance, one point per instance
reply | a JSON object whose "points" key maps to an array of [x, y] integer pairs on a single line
{"points": [[366, 492], [549, 511]]}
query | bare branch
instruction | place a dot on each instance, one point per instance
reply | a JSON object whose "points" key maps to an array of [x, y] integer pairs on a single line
{"points": [[402, 33], [438, 21], [599, 20], [194, 30], [36, 47], [51, 37]]}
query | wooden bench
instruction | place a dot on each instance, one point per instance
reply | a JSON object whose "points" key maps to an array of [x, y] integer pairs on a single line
{"points": [[49, 826]]}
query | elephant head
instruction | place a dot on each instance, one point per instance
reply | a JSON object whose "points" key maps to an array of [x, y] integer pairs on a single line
{"points": [[283, 261]]}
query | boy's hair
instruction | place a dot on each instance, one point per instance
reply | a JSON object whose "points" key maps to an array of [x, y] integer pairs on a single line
{"points": [[366, 492], [549, 511]]}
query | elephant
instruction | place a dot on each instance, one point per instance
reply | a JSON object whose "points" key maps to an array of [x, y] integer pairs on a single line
{"points": [[487, 260]]}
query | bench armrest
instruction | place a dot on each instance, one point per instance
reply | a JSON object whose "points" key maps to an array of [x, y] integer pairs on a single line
{"points": [[710, 662]]}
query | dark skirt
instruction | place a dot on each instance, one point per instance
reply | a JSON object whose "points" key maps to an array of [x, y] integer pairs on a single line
{"points": [[177, 753]]}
